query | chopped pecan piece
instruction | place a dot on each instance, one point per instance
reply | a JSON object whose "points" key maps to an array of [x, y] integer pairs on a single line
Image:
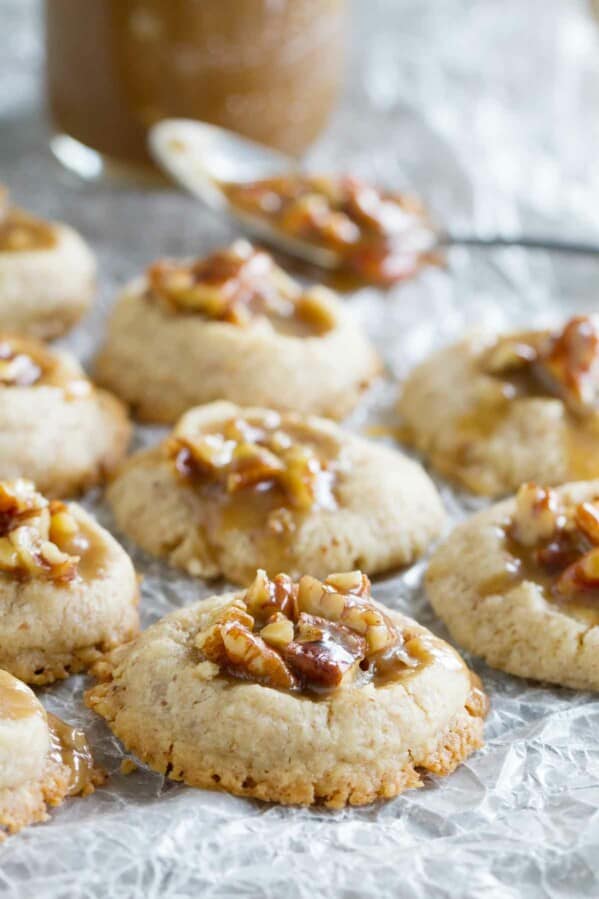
{"points": [[536, 517], [279, 631], [249, 656], [30, 531], [579, 577], [572, 363], [265, 597], [511, 353], [304, 635], [587, 521], [232, 645], [323, 652], [245, 455]]}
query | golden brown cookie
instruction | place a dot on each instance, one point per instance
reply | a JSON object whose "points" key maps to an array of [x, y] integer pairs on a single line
{"points": [[494, 412], [68, 591], [47, 274], [42, 760], [293, 693], [232, 490], [518, 584], [233, 326], [56, 428]]}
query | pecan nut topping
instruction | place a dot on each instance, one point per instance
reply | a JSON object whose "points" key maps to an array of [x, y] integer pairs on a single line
{"points": [[238, 285], [261, 453], [563, 364], [379, 235], [308, 635], [32, 531], [557, 543]]}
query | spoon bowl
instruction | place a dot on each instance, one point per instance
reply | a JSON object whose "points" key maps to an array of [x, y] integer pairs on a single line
{"points": [[201, 158]]}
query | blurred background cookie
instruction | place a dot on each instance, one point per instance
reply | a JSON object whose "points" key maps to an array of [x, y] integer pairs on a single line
{"points": [[68, 591], [233, 326], [47, 273], [56, 428], [42, 759]]}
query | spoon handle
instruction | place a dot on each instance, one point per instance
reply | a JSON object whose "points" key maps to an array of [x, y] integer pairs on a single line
{"points": [[529, 243]]}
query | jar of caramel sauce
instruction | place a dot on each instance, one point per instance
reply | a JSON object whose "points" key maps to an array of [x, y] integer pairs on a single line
{"points": [[268, 69]]}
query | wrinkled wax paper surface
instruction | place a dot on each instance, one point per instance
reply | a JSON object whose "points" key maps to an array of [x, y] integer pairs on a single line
{"points": [[491, 112]]}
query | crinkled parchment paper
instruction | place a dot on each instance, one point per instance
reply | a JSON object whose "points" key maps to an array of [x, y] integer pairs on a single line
{"points": [[491, 111]]}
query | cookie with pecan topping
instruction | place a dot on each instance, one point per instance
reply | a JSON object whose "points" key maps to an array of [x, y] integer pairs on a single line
{"points": [[233, 326], [234, 489], [293, 692], [55, 427], [494, 412], [42, 759], [518, 584], [68, 591], [47, 273]]}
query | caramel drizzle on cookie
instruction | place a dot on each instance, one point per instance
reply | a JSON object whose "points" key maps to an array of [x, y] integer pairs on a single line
{"points": [[237, 285], [258, 455], [563, 364], [32, 530], [556, 544], [305, 636]]}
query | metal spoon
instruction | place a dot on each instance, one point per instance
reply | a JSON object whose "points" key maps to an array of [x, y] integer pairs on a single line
{"points": [[201, 157]]}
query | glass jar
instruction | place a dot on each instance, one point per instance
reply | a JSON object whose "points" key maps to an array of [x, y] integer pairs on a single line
{"points": [[269, 69]]}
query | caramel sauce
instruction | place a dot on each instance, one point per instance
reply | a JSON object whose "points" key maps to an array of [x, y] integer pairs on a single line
{"points": [[521, 564], [69, 746], [16, 699], [22, 232], [402, 662], [240, 286], [262, 512], [44, 369], [379, 237], [580, 433], [408, 658], [478, 703], [91, 552]]}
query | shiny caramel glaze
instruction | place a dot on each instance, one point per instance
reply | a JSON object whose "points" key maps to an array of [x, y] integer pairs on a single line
{"points": [[89, 548], [22, 232], [554, 545], [69, 746], [315, 637], [25, 362], [537, 365], [240, 285], [16, 699], [253, 486], [43, 539], [379, 236]]}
